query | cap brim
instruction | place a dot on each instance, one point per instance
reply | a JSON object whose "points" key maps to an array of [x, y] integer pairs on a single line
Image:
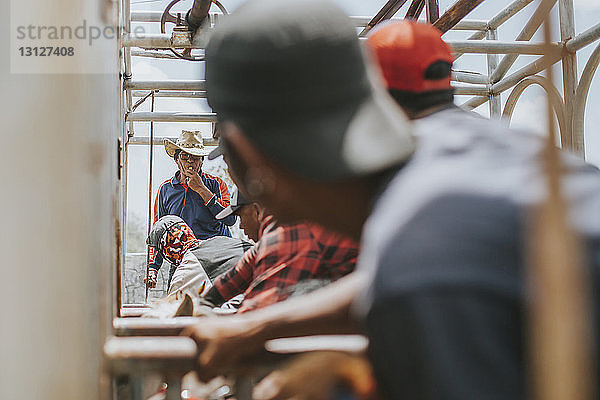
{"points": [[378, 137], [218, 151], [228, 211]]}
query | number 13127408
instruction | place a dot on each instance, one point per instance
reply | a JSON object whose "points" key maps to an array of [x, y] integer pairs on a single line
{"points": [[47, 51]]}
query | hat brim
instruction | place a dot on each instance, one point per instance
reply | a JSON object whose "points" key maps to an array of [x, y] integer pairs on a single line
{"points": [[171, 148]]}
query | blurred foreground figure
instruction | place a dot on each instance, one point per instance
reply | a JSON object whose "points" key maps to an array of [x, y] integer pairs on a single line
{"points": [[440, 289]]}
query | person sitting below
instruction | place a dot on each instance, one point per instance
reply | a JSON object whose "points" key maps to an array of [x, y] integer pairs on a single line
{"points": [[283, 257], [191, 194], [198, 262]]}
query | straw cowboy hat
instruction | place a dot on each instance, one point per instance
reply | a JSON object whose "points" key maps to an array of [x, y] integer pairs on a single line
{"points": [[188, 142]]}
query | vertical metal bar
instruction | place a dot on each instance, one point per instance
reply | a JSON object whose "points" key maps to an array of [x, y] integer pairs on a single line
{"points": [[127, 127], [492, 64], [569, 72], [198, 13], [415, 9], [433, 11], [454, 14], [387, 11], [150, 192], [561, 342], [582, 92]]}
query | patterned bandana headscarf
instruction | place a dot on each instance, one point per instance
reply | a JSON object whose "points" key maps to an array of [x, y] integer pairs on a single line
{"points": [[178, 239]]}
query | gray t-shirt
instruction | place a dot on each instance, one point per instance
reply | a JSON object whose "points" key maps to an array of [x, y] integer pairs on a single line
{"points": [[219, 254], [444, 246]]}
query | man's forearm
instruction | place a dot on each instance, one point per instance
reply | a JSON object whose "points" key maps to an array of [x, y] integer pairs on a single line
{"points": [[325, 311]]}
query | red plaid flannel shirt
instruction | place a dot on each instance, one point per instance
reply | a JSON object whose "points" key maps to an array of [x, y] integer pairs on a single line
{"points": [[284, 256]]}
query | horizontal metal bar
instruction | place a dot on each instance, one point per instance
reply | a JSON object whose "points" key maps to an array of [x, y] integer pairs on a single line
{"points": [[198, 85], [469, 77], [150, 354], [163, 41], [145, 140], [476, 90], [133, 311], [152, 326], [154, 16], [171, 93], [359, 21], [149, 41], [154, 54], [171, 117], [497, 47], [584, 38], [146, 16], [176, 355]]}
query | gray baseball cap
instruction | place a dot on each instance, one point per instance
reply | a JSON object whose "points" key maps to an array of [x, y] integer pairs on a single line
{"points": [[159, 228], [293, 76], [237, 201]]}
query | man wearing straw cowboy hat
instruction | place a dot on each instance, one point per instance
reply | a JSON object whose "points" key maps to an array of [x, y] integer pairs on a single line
{"points": [[191, 194]]}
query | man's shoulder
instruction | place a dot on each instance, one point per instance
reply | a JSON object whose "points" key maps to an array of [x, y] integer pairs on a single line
{"points": [[166, 185]]}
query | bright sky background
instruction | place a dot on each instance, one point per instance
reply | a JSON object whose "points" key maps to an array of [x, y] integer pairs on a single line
{"points": [[529, 113]]}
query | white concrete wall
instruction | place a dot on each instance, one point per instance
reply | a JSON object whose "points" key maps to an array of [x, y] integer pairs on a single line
{"points": [[57, 218]]}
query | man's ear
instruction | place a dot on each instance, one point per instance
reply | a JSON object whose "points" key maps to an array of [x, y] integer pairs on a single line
{"points": [[256, 209]]}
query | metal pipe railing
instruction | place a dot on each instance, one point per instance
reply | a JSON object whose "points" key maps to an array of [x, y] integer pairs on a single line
{"points": [[455, 13], [583, 39], [198, 13], [492, 64], [581, 96], [197, 85], [569, 71], [145, 140], [359, 21], [477, 90], [172, 93], [469, 77], [500, 18], [142, 116], [553, 95], [163, 41], [526, 34], [531, 69]]}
